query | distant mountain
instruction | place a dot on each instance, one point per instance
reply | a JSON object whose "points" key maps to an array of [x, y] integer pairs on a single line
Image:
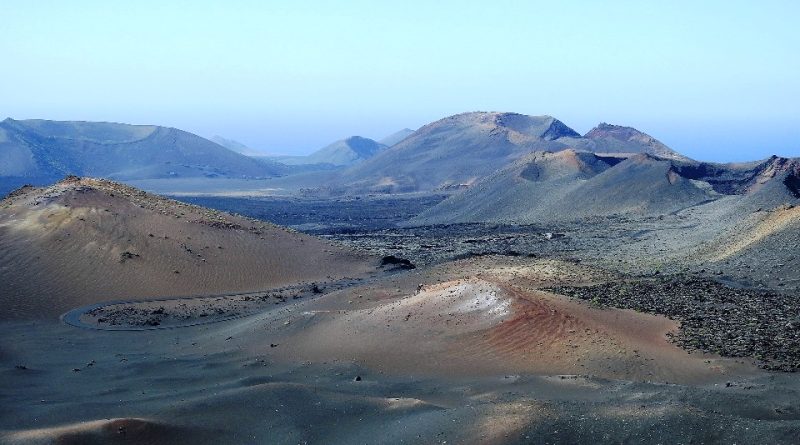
{"points": [[606, 138], [396, 137], [41, 151], [569, 185], [456, 151], [345, 152], [236, 146]]}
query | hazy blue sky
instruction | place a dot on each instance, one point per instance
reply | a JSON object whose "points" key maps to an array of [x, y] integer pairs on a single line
{"points": [[713, 79]]}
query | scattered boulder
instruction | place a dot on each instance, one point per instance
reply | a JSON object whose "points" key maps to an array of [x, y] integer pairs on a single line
{"points": [[127, 255], [400, 263]]}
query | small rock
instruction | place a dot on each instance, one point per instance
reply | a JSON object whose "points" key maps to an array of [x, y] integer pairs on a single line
{"points": [[402, 263]]}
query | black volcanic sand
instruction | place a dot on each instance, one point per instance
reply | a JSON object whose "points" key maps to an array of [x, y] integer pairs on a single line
{"points": [[204, 389], [732, 322], [316, 216]]}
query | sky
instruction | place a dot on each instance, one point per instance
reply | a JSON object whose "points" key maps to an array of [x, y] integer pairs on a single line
{"points": [[715, 80]]}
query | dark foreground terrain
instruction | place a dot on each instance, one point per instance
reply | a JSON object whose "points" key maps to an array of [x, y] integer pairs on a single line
{"points": [[200, 388]]}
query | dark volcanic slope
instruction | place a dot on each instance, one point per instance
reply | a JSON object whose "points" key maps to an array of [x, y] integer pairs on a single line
{"points": [[642, 184], [536, 182], [568, 185], [82, 241], [764, 243], [457, 150], [40, 151], [776, 176]]}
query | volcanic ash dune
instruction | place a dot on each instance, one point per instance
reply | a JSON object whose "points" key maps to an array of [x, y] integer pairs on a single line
{"points": [[108, 431], [470, 325], [83, 241]]}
